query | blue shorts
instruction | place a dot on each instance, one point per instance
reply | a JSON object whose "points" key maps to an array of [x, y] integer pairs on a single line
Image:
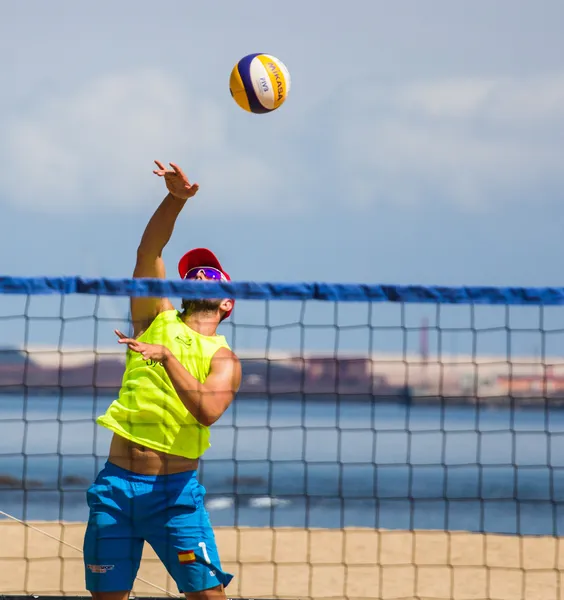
{"points": [[167, 511]]}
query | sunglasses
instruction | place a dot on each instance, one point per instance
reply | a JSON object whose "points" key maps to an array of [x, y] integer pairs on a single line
{"points": [[209, 273]]}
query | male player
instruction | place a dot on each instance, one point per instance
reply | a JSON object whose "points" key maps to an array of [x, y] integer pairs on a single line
{"points": [[180, 377]]}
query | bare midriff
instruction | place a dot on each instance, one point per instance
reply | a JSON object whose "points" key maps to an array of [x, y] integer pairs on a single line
{"points": [[146, 461]]}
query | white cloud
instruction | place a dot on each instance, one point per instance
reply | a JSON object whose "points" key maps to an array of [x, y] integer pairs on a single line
{"points": [[503, 98], [93, 147], [471, 142], [451, 98]]}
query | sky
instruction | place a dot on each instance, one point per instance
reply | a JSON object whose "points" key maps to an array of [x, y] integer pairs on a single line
{"points": [[420, 142]]}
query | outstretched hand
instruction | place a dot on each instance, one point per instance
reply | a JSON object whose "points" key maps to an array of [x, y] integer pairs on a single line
{"points": [[154, 352], [176, 181]]}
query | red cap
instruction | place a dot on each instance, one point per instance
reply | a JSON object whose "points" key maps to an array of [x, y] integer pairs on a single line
{"points": [[201, 257]]}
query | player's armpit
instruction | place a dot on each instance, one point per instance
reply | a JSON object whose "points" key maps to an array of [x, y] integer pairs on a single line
{"points": [[145, 309]]}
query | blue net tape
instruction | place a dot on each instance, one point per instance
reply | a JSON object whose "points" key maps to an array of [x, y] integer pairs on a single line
{"points": [[245, 290]]}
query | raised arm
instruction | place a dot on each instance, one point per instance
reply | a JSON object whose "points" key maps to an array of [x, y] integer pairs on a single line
{"points": [[155, 237]]}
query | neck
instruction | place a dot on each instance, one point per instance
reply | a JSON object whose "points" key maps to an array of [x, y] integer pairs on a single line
{"points": [[202, 323]]}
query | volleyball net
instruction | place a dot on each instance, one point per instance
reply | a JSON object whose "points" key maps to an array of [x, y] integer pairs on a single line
{"points": [[386, 442]]}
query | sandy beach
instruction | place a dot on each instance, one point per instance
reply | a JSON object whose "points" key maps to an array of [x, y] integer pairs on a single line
{"points": [[297, 563]]}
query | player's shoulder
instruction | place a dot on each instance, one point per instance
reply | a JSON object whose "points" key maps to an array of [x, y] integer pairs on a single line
{"points": [[226, 364], [165, 318], [226, 352], [224, 357], [168, 318]]}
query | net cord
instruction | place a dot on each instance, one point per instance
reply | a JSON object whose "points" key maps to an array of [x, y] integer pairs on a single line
{"points": [[252, 290], [54, 537]]}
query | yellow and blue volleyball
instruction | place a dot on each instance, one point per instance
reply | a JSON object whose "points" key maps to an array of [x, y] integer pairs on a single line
{"points": [[259, 83]]}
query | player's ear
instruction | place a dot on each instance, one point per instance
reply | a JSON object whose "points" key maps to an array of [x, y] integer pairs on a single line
{"points": [[226, 304]]}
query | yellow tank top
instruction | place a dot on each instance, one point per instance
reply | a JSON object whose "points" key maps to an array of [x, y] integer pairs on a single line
{"points": [[148, 410]]}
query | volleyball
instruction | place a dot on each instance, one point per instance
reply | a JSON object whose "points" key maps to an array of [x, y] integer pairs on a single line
{"points": [[259, 83]]}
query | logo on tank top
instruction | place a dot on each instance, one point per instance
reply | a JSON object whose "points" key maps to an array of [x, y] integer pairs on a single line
{"points": [[153, 363], [186, 341]]}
